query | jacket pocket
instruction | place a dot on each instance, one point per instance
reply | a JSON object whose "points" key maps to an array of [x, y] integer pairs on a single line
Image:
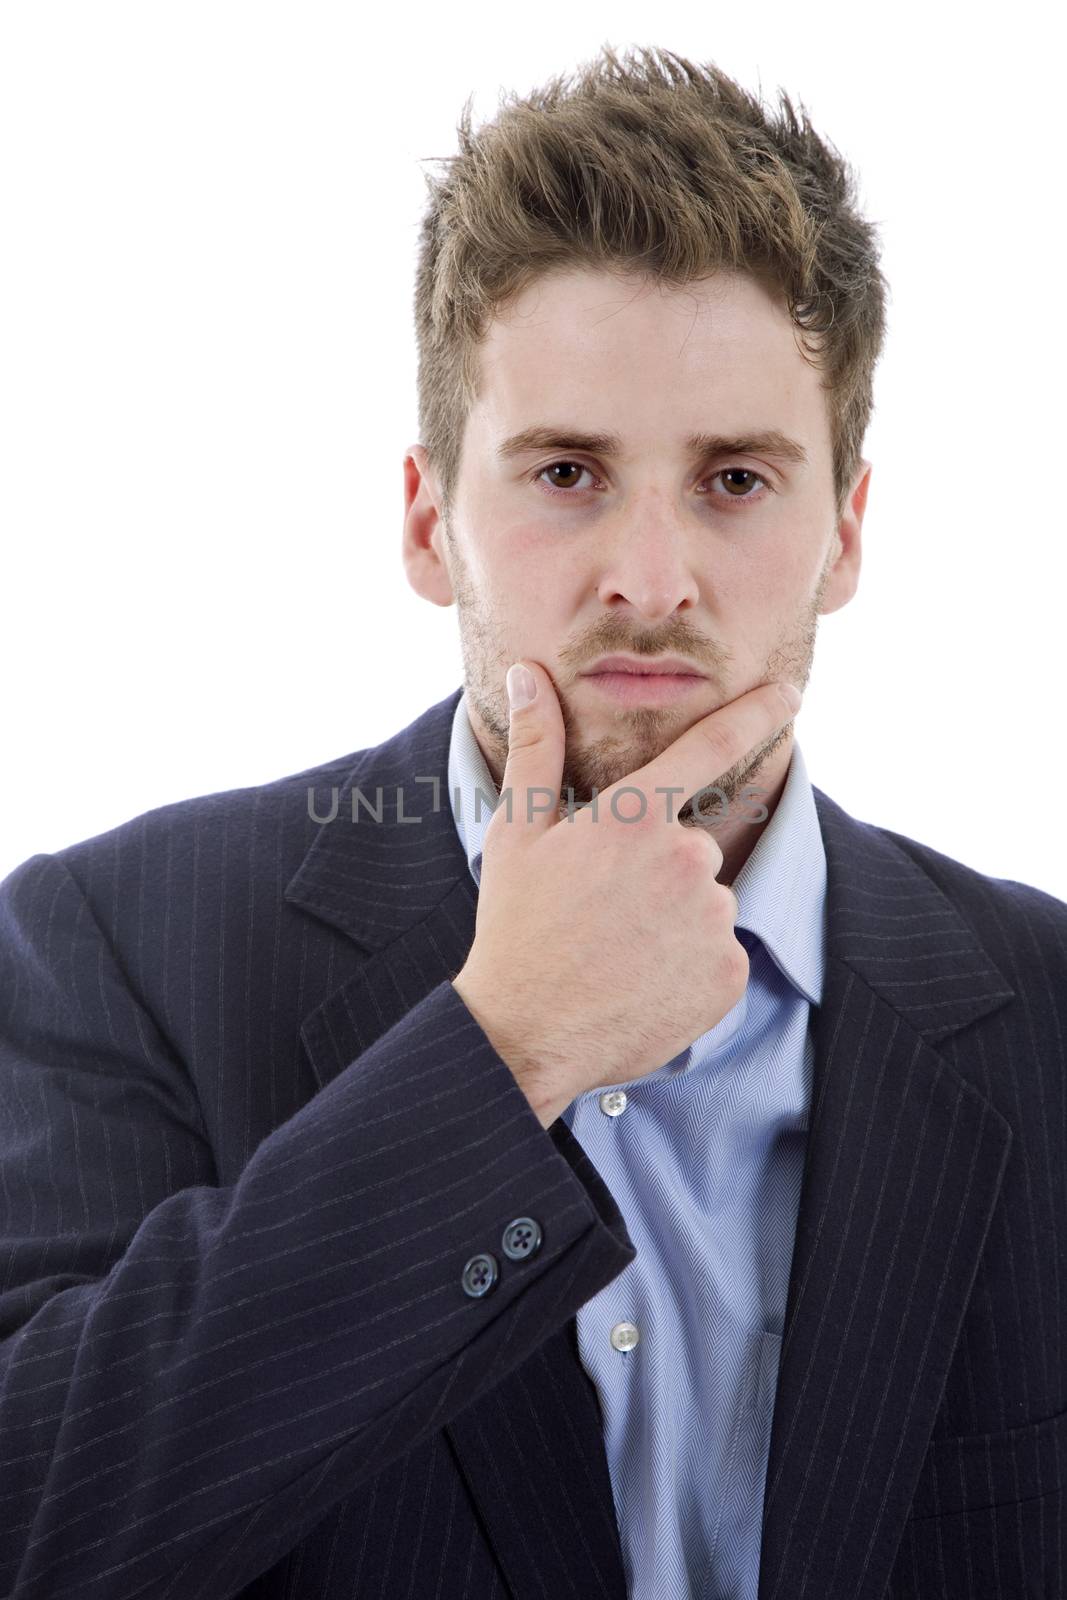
{"points": [[989, 1469]]}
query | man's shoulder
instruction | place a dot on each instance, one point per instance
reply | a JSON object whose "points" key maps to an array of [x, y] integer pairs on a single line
{"points": [[969, 888], [280, 816], [250, 833], [1022, 928], [212, 855], [959, 881], [896, 899]]}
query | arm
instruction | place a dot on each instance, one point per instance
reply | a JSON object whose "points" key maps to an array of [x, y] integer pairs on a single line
{"points": [[192, 1375]]}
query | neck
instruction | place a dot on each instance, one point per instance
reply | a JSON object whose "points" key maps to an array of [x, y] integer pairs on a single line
{"points": [[738, 834]]}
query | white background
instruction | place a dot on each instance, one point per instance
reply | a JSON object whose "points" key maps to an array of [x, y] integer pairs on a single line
{"points": [[207, 387]]}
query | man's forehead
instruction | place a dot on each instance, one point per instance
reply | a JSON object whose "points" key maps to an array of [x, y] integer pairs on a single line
{"points": [[585, 352], [571, 341], [519, 410]]}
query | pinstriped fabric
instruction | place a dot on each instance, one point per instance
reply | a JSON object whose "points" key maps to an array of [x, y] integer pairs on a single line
{"points": [[990, 1509], [249, 1136], [915, 1262], [705, 1162], [215, 1330]]}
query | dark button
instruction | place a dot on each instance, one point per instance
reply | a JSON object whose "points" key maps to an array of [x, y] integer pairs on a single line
{"points": [[522, 1238], [479, 1275]]}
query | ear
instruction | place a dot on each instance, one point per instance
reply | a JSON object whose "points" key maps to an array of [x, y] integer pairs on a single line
{"points": [[424, 538], [843, 576]]}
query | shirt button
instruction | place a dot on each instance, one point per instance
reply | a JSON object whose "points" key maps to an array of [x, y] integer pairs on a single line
{"points": [[522, 1238], [613, 1102], [480, 1274], [624, 1335]]}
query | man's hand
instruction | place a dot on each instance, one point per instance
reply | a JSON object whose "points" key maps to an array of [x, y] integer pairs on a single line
{"points": [[605, 946]]}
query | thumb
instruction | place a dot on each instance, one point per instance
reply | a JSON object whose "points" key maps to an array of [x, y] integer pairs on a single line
{"points": [[534, 769]]}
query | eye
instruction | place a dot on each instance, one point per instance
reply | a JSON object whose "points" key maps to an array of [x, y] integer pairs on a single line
{"points": [[571, 466], [738, 472], [743, 489]]}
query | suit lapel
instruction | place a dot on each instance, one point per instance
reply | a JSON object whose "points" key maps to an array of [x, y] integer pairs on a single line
{"points": [[904, 1163], [395, 880]]}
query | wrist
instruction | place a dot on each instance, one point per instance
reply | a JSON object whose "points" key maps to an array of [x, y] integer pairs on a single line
{"points": [[511, 1041]]}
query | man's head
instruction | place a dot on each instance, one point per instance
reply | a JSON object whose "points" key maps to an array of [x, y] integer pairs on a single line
{"points": [[647, 257]]}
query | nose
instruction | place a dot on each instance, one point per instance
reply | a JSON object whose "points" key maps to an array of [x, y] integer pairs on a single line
{"points": [[647, 565]]}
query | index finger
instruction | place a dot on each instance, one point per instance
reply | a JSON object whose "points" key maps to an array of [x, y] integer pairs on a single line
{"points": [[700, 755]]}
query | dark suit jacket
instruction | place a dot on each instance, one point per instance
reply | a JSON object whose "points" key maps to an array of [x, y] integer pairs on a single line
{"points": [[251, 1140]]}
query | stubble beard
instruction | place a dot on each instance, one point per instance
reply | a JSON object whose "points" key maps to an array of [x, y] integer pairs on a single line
{"points": [[591, 766]]}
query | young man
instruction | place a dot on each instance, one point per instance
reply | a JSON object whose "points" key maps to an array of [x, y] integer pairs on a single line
{"points": [[652, 1187]]}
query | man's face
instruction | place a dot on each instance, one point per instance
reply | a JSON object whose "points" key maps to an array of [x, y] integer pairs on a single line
{"points": [[723, 558]]}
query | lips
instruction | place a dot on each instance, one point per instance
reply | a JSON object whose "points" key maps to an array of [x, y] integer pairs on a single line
{"points": [[666, 666]]}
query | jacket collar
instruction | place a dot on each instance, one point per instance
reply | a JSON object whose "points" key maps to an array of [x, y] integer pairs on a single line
{"points": [[384, 873]]}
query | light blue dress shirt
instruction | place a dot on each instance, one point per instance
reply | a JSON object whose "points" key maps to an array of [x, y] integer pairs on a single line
{"points": [[704, 1158]]}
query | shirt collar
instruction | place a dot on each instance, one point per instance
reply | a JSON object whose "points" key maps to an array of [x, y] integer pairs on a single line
{"points": [[781, 889]]}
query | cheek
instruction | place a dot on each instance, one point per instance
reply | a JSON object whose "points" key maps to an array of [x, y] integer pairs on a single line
{"points": [[771, 584], [532, 573], [526, 546]]}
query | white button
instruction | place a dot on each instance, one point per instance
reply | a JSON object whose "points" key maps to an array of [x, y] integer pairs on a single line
{"points": [[624, 1335], [613, 1102]]}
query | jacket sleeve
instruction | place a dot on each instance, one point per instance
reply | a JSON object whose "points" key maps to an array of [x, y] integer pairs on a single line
{"points": [[192, 1375]]}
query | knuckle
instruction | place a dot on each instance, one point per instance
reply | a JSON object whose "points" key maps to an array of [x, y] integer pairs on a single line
{"points": [[686, 854], [698, 849], [713, 848], [737, 965], [523, 734], [726, 903]]}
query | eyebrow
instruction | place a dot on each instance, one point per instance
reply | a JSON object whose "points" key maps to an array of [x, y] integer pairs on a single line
{"points": [[766, 441]]}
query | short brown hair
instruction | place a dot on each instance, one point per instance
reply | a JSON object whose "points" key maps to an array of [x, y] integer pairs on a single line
{"points": [[646, 164]]}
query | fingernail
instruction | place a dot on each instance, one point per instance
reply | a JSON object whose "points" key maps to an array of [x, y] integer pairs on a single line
{"points": [[522, 686], [791, 695]]}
